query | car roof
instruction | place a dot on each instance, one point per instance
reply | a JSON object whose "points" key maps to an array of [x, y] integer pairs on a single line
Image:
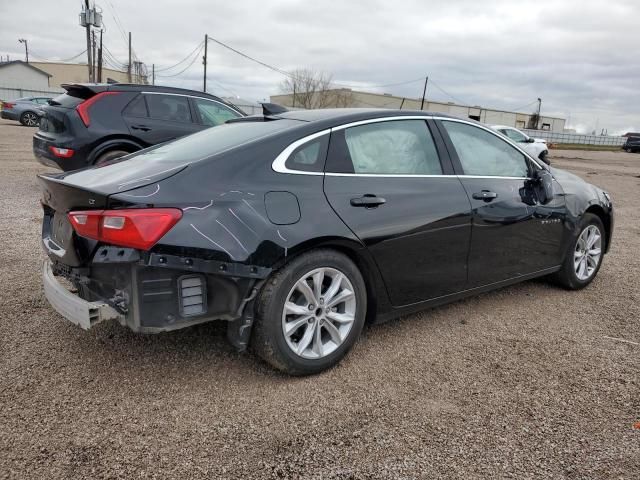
{"points": [[503, 126], [136, 87], [330, 117]]}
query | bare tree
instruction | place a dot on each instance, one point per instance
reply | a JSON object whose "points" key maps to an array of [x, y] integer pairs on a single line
{"points": [[312, 89]]}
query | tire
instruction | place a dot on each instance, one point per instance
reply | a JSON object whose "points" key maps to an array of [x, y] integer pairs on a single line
{"points": [[628, 150], [314, 354], [568, 276], [108, 156], [29, 119]]}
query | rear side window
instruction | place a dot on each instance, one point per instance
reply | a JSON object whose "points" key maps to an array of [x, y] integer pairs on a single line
{"points": [[173, 108], [137, 108], [310, 156], [485, 154], [400, 147], [213, 113]]}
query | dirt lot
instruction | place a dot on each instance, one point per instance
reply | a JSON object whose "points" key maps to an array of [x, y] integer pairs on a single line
{"points": [[529, 381]]}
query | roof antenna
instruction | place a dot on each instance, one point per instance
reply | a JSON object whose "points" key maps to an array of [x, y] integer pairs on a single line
{"points": [[272, 109]]}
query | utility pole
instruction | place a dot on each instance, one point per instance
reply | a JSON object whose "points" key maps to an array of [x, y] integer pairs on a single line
{"points": [[100, 60], [26, 47], [153, 74], [88, 29], [538, 116], [129, 65], [204, 62], [93, 55], [424, 92], [293, 103]]}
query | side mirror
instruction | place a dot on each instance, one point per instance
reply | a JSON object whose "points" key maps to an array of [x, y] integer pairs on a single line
{"points": [[544, 186], [530, 140]]}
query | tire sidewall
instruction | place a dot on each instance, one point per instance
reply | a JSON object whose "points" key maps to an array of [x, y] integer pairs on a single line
{"points": [[108, 156], [270, 315]]}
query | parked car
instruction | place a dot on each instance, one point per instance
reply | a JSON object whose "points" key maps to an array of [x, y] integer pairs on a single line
{"points": [[27, 110], [632, 144], [536, 147], [94, 123], [299, 227]]}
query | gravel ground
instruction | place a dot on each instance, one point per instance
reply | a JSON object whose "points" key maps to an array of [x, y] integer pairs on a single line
{"points": [[529, 382]]}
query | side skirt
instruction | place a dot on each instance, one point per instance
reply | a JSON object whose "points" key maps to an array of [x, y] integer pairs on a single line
{"points": [[452, 297]]}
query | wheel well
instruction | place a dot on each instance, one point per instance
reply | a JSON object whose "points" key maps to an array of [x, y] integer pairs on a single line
{"points": [[115, 144], [606, 221], [364, 265]]}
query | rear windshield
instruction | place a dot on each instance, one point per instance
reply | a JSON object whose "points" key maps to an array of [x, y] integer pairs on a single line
{"points": [[67, 101], [211, 141]]}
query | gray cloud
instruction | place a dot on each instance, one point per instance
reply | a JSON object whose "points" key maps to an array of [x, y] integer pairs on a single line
{"points": [[578, 55]]}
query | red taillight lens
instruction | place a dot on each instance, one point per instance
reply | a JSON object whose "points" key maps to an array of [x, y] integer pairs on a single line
{"points": [[8, 106], [83, 108], [134, 228], [61, 152]]}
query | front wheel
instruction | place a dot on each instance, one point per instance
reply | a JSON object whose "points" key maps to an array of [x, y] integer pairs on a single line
{"points": [[310, 313], [585, 253]]}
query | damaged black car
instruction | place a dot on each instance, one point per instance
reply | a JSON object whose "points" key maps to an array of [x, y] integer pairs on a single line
{"points": [[297, 228]]}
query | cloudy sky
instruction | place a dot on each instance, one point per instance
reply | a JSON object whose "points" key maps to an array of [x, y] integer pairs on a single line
{"points": [[579, 56]]}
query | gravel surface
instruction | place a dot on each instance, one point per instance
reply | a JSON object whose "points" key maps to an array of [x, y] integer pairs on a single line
{"points": [[528, 382]]}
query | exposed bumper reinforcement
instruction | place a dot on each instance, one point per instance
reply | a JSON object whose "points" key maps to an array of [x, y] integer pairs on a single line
{"points": [[78, 311]]}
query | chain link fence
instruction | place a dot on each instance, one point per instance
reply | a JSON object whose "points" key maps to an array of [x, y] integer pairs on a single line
{"points": [[557, 137]]}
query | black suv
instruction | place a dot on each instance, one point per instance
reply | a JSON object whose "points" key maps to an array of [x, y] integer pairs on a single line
{"points": [[93, 123], [632, 144]]}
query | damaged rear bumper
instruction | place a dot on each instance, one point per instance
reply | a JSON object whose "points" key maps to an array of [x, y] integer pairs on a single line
{"points": [[155, 293], [78, 311]]}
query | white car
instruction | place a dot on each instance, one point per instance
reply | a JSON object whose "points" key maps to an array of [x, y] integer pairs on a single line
{"points": [[536, 147]]}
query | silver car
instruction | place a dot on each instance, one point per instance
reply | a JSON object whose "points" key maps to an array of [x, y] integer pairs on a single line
{"points": [[27, 110]]}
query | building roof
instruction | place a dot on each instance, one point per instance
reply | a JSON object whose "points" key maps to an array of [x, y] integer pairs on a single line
{"points": [[12, 62]]}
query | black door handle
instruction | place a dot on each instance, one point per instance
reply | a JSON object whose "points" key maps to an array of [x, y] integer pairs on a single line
{"points": [[485, 195], [367, 201], [144, 128]]}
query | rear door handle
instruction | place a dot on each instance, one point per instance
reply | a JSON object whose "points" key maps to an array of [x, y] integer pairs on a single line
{"points": [[144, 128], [367, 201], [485, 195]]}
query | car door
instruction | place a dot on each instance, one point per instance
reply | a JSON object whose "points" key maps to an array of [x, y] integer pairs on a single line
{"points": [[395, 189], [159, 117], [513, 234]]}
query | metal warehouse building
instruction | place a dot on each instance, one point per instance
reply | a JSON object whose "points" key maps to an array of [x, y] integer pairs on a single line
{"points": [[484, 115]]}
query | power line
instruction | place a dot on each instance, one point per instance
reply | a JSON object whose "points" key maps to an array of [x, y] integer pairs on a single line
{"points": [[448, 94], [185, 68], [524, 106], [164, 69]]}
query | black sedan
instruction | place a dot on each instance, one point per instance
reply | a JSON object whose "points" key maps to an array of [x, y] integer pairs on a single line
{"points": [[297, 228]]}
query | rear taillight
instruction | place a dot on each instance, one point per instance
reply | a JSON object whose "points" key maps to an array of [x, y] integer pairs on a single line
{"points": [[8, 106], [83, 108], [134, 228], [61, 152]]}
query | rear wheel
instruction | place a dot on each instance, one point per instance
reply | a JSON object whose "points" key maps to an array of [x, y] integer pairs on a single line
{"points": [[585, 253], [29, 119], [310, 313], [110, 155]]}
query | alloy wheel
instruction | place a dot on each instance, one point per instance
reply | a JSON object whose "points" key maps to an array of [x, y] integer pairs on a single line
{"points": [[588, 251], [30, 119], [319, 313]]}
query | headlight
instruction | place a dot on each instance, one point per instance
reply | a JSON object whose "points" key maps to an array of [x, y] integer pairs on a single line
{"points": [[608, 197]]}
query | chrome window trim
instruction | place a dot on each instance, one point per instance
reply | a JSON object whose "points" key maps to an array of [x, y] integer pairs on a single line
{"points": [[279, 164], [193, 96]]}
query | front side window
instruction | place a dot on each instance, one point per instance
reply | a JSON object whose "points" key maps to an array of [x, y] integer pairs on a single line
{"points": [[483, 153], [214, 113], [173, 108], [401, 147]]}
